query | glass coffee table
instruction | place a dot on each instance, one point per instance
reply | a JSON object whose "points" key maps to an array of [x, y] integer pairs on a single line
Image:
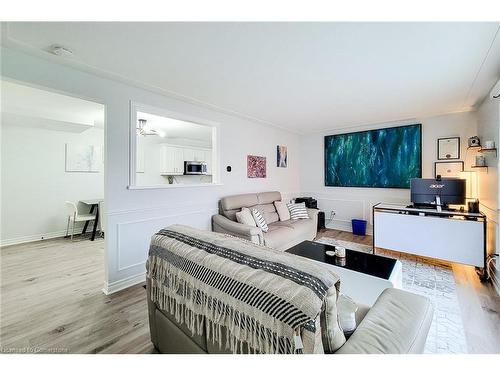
{"points": [[363, 277]]}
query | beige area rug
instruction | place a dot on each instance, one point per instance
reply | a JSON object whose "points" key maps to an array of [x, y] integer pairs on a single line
{"points": [[433, 280]]}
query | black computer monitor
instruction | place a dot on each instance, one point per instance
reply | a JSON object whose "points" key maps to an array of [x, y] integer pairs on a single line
{"points": [[425, 190]]}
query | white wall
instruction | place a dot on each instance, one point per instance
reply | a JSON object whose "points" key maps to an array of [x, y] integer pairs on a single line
{"points": [[35, 184], [134, 215], [489, 130], [350, 203]]}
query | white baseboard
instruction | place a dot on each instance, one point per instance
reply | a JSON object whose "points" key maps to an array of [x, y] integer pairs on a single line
{"points": [[123, 284], [36, 237]]}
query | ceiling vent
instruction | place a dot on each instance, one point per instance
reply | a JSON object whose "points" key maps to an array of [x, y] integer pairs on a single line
{"points": [[59, 50]]}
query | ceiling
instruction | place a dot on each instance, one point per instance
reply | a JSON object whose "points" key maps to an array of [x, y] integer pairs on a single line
{"points": [[177, 129], [28, 106], [304, 77]]}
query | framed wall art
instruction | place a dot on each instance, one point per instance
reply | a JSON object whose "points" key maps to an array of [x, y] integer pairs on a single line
{"points": [[448, 148], [379, 158], [256, 166], [281, 156], [448, 168]]}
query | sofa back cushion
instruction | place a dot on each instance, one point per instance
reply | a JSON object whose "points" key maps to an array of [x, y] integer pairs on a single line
{"points": [[234, 203], [228, 206], [268, 211]]}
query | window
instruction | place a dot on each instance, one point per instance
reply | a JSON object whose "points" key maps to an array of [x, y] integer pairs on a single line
{"points": [[169, 149]]}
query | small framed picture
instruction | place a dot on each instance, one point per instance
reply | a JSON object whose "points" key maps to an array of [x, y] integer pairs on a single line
{"points": [[281, 156], [448, 168], [448, 148]]}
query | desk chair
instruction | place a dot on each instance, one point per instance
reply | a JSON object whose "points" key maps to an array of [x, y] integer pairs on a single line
{"points": [[74, 216]]}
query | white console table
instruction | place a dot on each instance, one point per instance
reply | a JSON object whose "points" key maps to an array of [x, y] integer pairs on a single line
{"points": [[447, 235]]}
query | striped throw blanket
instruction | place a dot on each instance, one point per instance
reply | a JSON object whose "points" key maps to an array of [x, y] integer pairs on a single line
{"points": [[267, 299]]}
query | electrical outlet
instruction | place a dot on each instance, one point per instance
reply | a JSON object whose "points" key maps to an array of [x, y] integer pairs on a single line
{"points": [[332, 214]]}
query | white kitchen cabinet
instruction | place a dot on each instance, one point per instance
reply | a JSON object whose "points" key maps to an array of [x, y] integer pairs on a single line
{"points": [[199, 155], [173, 157], [189, 154], [194, 154], [172, 160]]}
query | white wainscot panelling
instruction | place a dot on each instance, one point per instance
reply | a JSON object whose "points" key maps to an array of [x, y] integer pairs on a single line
{"points": [[345, 210], [132, 234]]}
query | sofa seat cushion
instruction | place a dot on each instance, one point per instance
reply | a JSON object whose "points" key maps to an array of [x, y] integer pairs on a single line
{"points": [[300, 226], [277, 235], [283, 233]]}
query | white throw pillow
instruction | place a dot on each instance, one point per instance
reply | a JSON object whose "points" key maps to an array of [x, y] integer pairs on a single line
{"points": [[297, 210], [282, 210], [347, 314], [245, 217], [260, 221]]}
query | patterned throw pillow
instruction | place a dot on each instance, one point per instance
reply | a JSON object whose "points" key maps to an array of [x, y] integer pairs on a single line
{"points": [[260, 221], [297, 211]]}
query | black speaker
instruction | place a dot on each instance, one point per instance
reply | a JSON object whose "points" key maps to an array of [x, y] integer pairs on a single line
{"points": [[321, 220], [309, 201]]}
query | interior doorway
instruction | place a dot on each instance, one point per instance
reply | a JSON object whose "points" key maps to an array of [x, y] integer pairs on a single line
{"points": [[53, 167]]}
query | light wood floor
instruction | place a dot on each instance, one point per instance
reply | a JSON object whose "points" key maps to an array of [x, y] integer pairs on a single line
{"points": [[51, 301]]}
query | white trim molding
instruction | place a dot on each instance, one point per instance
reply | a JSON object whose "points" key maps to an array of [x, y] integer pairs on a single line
{"points": [[118, 285], [135, 107], [37, 237]]}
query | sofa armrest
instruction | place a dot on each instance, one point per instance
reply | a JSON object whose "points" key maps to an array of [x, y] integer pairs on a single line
{"points": [[398, 323], [313, 214], [222, 224]]}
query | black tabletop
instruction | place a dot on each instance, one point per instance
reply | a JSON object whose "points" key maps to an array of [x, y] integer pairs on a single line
{"points": [[370, 264]]}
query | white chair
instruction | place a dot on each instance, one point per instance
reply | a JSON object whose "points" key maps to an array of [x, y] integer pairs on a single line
{"points": [[74, 216]]}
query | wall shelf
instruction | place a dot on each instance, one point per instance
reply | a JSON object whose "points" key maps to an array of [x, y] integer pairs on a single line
{"points": [[488, 150], [479, 166], [481, 149]]}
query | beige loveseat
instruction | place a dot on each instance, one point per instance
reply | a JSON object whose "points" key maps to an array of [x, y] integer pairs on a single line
{"points": [[282, 235]]}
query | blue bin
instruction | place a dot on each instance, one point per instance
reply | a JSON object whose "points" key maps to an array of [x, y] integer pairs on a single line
{"points": [[359, 227]]}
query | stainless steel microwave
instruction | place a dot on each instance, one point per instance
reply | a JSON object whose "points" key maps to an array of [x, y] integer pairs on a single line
{"points": [[195, 167]]}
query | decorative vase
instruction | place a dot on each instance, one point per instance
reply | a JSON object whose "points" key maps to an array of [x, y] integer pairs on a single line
{"points": [[480, 161]]}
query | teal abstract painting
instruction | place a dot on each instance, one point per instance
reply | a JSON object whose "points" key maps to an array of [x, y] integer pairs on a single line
{"points": [[382, 158]]}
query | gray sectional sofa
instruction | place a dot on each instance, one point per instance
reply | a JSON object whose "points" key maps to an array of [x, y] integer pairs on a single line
{"points": [[282, 235], [397, 323]]}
